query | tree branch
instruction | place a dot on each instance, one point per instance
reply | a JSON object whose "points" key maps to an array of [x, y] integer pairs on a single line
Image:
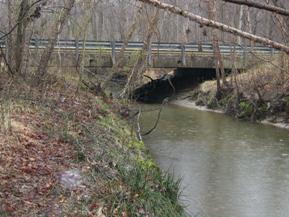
{"points": [[165, 101], [255, 4], [217, 25], [19, 21]]}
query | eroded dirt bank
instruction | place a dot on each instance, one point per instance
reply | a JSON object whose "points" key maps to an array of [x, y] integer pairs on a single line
{"points": [[259, 95]]}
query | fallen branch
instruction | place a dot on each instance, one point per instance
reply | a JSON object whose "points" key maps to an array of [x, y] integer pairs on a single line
{"points": [[171, 84], [138, 125], [217, 25], [158, 118], [149, 77]]}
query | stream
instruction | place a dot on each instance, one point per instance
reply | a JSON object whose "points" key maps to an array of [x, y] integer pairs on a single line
{"points": [[228, 168]]}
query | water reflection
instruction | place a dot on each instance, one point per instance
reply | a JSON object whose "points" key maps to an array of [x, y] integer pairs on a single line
{"points": [[229, 168]]}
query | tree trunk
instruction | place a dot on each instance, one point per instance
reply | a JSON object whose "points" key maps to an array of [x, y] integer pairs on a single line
{"points": [[186, 28], [56, 30], [211, 4], [217, 25], [9, 49], [220, 72], [120, 58], [20, 36], [140, 65], [100, 24], [240, 24]]}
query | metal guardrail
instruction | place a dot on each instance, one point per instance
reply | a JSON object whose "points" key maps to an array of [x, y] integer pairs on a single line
{"points": [[169, 47], [112, 47]]}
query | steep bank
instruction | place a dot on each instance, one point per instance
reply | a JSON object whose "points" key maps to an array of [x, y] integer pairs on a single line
{"points": [[259, 94], [64, 153]]}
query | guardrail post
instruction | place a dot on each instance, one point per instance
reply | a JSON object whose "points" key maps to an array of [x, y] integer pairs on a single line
{"points": [[76, 50], [245, 56], [113, 54], [272, 51], [36, 42], [200, 47], [149, 60], [158, 50], [183, 47]]}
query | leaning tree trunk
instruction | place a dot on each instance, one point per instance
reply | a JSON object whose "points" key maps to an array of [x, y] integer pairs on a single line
{"points": [[217, 25], [56, 30], [220, 72], [140, 65], [9, 39], [121, 57]]}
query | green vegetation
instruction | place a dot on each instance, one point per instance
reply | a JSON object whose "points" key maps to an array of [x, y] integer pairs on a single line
{"points": [[246, 109]]}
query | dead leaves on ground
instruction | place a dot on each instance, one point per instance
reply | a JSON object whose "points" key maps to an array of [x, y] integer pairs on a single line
{"points": [[31, 160]]}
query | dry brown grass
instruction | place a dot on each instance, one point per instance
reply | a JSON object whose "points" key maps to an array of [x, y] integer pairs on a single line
{"points": [[269, 80]]}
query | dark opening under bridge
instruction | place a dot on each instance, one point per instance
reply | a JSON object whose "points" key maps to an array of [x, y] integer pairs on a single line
{"points": [[160, 55]]}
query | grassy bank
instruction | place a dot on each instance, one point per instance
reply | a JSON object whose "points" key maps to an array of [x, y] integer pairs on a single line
{"points": [[68, 153], [258, 94]]}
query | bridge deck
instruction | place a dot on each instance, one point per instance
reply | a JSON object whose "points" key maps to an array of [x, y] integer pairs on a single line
{"points": [[160, 55]]}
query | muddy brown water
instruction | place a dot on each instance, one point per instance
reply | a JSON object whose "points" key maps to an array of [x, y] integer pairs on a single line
{"points": [[229, 168]]}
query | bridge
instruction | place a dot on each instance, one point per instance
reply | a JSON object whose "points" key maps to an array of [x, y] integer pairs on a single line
{"points": [[160, 55]]}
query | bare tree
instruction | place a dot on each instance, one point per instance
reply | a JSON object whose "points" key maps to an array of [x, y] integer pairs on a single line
{"points": [[218, 59], [121, 56], [56, 30]]}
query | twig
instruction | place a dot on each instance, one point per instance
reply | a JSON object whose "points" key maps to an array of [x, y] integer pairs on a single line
{"points": [[158, 118], [171, 84], [259, 57], [138, 124], [11, 73], [149, 77]]}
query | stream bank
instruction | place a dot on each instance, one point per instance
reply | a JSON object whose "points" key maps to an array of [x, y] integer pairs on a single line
{"points": [[260, 94], [65, 152]]}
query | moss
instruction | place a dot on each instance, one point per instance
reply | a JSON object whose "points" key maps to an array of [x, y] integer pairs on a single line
{"points": [[146, 163], [137, 144]]}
